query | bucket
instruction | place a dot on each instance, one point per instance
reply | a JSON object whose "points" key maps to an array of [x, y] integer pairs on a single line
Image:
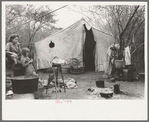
{"points": [[118, 64], [100, 84], [21, 84], [128, 74], [116, 89], [65, 69]]}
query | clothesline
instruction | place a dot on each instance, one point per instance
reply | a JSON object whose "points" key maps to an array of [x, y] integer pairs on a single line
{"points": [[32, 20]]}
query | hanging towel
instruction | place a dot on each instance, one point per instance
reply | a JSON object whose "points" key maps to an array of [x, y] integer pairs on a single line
{"points": [[127, 56]]}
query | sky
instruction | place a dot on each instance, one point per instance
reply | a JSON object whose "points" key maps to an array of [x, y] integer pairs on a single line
{"points": [[66, 16]]}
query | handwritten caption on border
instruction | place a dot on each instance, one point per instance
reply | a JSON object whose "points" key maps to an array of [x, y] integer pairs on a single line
{"points": [[63, 101]]}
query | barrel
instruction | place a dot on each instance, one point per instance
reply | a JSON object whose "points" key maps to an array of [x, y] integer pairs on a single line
{"points": [[116, 89], [22, 84]]}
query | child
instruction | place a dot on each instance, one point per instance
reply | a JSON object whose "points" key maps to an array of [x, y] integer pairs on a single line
{"points": [[27, 63], [30, 71]]}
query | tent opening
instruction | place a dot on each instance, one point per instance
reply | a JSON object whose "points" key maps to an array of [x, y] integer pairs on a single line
{"points": [[89, 51]]}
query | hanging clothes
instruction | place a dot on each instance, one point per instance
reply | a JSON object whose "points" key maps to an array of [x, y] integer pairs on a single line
{"points": [[127, 56]]}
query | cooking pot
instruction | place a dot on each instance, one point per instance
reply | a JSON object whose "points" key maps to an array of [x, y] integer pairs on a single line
{"points": [[107, 93]]}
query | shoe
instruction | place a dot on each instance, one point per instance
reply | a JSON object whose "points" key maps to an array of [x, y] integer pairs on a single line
{"points": [[9, 93]]}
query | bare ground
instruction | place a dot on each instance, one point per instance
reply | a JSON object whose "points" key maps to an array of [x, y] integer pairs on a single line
{"points": [[131, 90]]}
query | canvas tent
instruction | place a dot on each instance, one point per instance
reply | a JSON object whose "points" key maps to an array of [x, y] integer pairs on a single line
{"points": [[87, 44]]}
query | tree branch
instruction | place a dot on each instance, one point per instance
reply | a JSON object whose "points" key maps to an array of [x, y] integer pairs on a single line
{"points": [[44, 15], [129, 20], [137, 48], [138, 27]]}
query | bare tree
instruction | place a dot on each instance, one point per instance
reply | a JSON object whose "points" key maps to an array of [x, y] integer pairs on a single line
{"points": [[28, 16], [123, 21]]}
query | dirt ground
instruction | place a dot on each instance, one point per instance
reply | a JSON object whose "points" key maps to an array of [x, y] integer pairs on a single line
{"points": [[131, 90]]}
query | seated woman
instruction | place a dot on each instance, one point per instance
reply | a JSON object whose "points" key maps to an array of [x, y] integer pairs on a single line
{"points": [[13, 50]]}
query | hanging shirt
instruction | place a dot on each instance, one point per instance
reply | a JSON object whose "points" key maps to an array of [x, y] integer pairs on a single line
{"points": [[127, 56]]}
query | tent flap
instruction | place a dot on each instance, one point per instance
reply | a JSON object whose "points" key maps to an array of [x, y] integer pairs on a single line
{"points": [[103, 41]]}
